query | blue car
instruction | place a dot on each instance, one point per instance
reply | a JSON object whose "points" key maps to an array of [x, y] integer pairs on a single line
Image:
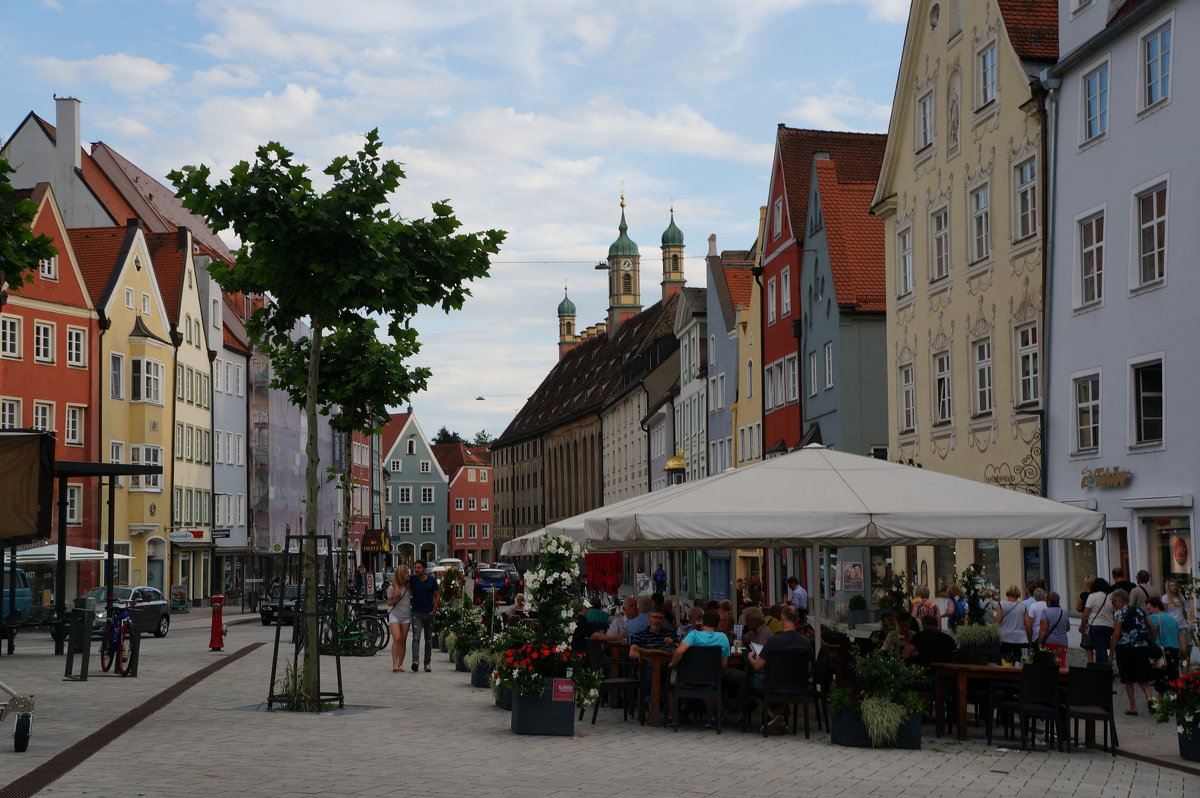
{"points": [[497, 579]]}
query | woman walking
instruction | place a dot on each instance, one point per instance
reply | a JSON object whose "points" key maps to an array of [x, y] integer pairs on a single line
{"points": [[1176, 607], [399, 615], [1130, 644], [1098, 618]]}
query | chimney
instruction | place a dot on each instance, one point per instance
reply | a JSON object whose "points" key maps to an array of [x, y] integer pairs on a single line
{"points": [[183, 243], [820, 156], [67, 157], [712, 245], [600, 328]]}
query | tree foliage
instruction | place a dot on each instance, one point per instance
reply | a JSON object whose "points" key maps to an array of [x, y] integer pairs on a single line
{"points": [[20, 249], [331, 259], [446, 436], [482, 438]]}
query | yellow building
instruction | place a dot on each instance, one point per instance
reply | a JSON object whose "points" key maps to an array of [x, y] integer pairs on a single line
{"points": [[136, 385], [191, 499], [959, 195]]}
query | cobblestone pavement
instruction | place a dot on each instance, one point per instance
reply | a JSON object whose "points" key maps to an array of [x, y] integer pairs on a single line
{"points": [[433, 734]]}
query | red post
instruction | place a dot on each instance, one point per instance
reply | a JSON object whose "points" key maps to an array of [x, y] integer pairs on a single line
{"points": [[216, 638]]}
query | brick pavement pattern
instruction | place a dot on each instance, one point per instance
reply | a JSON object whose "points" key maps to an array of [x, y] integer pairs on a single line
{"points": [[433, 734]]}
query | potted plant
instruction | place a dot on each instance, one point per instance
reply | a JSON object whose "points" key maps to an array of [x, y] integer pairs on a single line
{"points": [[449, 588], [547, 680], [857, 610], [1181, 704], [978, 634], [512, 637], [897, 591], [882, 710]]}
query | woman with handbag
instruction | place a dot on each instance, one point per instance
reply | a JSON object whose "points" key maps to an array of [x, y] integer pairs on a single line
{"points": [[1010, 615], [1052, 629], [1166, 638], [1130, 645], [1085, 638], [1097, 621]]}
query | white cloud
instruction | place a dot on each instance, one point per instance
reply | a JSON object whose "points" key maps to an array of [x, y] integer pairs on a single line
{"points": [[226, 76], [127, 74], [594, 33], [839, 109], [53, 5]]}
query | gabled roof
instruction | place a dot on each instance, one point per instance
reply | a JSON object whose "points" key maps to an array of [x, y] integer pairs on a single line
{"points": [[233, 343], [100, 252], [392, 430], [93, 177], [859, 154], [1032, 27], [857, 259], [170, 262], [740, 280], [453, 457], [590, 375]]}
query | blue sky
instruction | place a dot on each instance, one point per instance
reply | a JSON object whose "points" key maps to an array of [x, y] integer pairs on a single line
{"points": [[527, 115]]}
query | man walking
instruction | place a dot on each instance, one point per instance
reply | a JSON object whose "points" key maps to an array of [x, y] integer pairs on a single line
{"points": [[425, 600], [1144, 591], [660, 580]]}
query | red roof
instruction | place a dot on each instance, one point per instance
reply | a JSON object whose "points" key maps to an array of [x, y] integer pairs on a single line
{"points": [[169, 266], [232, 342], [98, 249], [1032, 27], [858, 156], [855, 238], [741, 282]]}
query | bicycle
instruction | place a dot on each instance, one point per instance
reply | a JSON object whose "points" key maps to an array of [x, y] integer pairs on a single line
{"points": [[116, 641], [360, 634]]}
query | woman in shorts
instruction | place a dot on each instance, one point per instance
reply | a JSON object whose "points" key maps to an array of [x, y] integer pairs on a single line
{"points": [[399, 615]]}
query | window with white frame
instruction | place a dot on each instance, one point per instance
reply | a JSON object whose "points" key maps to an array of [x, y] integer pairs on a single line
{"points": [[10, 336], [828, 364], [925, 121], [74, 425], [472, 504], [812, 373], [10, 413], [904, 274], [427, 495], [780, 390], [771, 300], [216, 314], [48, 268], [458, 504], [485, 504], [404, 494], [1029, 372], [1156, 66], [720, 391], [1152, 235], [483, 475], [943, 411], [43, 415], [219, 447], [412, 446], [908, 398], [981, 223], [426, 524], [177, 506], [939, 244], [395, 466], [74, 505], [768, 388], [145, 304], [1087, 413], [1148, 403], [986, 69], [982, 351], [146, 455], [485, 531], [43, 342], [145, 380], [458, 531], [116, 376], [426, 467], [240, 450], [239, 504], [1025, 178], [793, 378], [404, 524], [237, 379], [129, 298], [1095, 103], [777, 218], [785, 292], [180, 369], [473, 531], [116, 455], [749, 378], [1091, 259]]}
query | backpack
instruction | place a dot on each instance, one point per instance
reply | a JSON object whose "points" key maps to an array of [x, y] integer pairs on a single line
{"points": [[927, 609], [960, 612]]}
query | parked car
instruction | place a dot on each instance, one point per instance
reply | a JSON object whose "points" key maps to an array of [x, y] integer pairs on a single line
{"points": [[514, 575], [24, 596], [283, 609], [498, 579], [148, 608], [452, 562]]}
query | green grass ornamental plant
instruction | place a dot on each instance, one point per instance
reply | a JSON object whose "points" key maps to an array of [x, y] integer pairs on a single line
{"points": [[885, 696]]}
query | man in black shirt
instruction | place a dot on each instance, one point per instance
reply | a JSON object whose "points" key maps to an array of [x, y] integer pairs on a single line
{"points": [[790, 639], [930, 644], [1120, 581]]}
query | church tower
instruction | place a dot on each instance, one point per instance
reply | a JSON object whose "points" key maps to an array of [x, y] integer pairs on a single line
{"points": [[624, 275], [566, 326], [672, 260]]}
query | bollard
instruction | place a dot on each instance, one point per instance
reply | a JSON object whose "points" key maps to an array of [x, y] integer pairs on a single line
{"points": [[215, 637]]}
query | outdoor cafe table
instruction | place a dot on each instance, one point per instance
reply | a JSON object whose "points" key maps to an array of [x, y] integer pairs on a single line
{"points": [[961, 674], [657, 659]]}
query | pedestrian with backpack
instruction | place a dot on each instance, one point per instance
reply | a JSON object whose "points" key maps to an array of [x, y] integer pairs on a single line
{"points": [[923, 606], [956, 610]]}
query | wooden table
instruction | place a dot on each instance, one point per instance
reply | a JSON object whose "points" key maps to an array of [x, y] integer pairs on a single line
{"points": [[962, 674]]}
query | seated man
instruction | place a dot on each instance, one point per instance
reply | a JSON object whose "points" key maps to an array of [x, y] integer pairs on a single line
{"points": [[654, 636], [930, 644], [790, 639], [635, 625], [756, 630], [707, 635], [694, 619], [616, 629]]}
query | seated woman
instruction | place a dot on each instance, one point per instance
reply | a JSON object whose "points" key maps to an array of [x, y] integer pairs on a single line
{"points": [[901, 636], [517, 610], [887, 625]]}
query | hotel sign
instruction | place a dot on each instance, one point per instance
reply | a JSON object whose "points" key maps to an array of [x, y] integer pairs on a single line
{"points": [[1110, 477]]}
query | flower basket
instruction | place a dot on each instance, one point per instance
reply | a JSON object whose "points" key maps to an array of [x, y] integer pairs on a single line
{"points": [[848, 729], [881, 710], [504, 698], [551, 713], [1181, 704]]}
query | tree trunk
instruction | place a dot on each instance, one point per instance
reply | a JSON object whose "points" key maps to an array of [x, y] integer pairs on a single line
{"points": [[312, 648]]}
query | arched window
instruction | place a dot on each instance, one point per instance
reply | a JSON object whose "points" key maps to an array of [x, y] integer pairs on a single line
{"points": [[749, 378], [187, 328], [626, 284], [674, 263]]}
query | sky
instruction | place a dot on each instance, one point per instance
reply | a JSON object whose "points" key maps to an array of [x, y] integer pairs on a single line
{"points": [[528, 115]]}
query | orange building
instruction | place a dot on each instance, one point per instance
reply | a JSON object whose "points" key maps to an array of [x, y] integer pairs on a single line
{"points": [[469, 469]]}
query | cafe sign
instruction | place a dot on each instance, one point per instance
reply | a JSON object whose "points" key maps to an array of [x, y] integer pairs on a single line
{"points": [[1105, 477]]}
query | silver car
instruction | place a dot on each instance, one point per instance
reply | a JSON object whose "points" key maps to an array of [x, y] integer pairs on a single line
{"points": [[148, 608]]}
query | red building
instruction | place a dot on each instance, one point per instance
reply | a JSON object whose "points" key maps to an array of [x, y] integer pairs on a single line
{"points": [[783, 252], [49, 339], [469, 469]]}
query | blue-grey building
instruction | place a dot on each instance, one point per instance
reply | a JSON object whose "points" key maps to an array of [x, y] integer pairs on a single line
{"points": [[415, 492], [729, 280], [1122, 282]]}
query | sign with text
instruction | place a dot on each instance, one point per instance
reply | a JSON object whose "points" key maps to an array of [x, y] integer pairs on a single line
{"points": [[1111, 477], [562, 690]]}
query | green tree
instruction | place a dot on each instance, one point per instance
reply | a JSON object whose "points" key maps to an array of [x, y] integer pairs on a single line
{"points": [[446, 436], [20, 249], [328, 258], [482, 438]]}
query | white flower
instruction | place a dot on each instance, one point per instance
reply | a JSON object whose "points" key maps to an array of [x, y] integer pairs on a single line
{"points": [[1179, 728]]}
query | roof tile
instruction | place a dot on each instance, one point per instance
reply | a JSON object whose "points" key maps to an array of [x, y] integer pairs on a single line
{"points": [[858, 155], [1032, 27], [855, 238]]}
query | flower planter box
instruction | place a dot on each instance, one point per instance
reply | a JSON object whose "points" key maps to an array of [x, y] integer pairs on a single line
{"points": [[459, 665], [856, 617], [504, 700], [847, 729], [479, 676], [1189, 745], [548, 714]]}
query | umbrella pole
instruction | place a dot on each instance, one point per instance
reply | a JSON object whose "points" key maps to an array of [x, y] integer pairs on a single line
{"points": [[814, 595]]}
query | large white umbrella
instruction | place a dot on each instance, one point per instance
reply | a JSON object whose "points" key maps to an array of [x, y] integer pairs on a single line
{"points": [[74, 553], [818, 496]]}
